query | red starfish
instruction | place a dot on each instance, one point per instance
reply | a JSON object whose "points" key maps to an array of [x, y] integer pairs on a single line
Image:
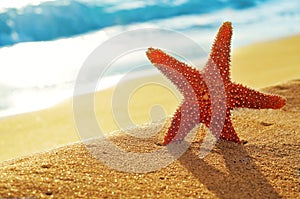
{"points": [[198, 87]]}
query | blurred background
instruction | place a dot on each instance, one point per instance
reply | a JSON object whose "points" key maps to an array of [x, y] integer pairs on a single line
{"points": [[43, 43]]}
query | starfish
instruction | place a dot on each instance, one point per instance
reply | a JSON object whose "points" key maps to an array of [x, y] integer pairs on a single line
{"points": [[198, 87]]}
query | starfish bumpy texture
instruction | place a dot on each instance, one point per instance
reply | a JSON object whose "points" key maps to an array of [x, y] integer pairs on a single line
{"points": [[201, 90]]}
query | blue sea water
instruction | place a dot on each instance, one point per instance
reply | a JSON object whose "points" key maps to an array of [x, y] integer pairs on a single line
{"points": [[67, 18], [43, 45]]}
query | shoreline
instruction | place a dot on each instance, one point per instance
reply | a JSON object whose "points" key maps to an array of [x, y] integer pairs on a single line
{"points": [[32, 132], [113, 78], [237, 72]]}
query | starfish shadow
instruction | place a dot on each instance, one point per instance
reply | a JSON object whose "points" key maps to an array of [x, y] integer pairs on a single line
{"points": [[242, 179]]}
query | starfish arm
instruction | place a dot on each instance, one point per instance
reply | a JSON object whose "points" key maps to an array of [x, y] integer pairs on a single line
{"points": [[243, 97], [220, 52], [184, 120], [228, 133], [186, 78]]}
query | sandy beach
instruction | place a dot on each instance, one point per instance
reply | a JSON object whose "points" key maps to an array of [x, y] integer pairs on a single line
{"points": [[266, 166]]}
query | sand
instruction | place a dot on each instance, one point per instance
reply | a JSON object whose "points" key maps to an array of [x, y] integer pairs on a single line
{"points": [[267, 63], [267, 165]]}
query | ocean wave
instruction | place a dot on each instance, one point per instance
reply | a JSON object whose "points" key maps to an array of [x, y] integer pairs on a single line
{"points": [[66, 18]]}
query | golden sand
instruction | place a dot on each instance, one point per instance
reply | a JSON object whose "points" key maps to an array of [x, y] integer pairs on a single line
{"points": [[266, 166]]}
